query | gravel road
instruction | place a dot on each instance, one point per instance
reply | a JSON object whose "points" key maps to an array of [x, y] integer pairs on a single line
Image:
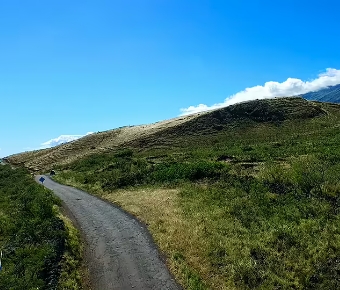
{"points": [[120, 252]]}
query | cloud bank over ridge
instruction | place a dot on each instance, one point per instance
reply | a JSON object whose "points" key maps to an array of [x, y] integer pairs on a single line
{"points": [[291, 87], [62, 139]]}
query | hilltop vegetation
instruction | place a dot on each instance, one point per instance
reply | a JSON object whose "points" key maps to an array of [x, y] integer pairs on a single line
{"points": [[245, 197], [179, 132]]}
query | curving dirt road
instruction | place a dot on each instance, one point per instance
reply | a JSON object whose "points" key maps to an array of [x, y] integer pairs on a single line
{"points": [[120, 251]]}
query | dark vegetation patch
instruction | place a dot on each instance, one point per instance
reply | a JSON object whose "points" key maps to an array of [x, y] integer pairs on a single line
{"points": [[32, 238], [119, 170]]}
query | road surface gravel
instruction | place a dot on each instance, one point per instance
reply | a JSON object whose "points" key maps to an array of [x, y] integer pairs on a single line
{"points": [[120, 251]]}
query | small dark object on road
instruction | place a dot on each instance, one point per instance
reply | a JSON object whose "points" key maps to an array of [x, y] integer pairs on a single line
{"points": [[42, 179]]}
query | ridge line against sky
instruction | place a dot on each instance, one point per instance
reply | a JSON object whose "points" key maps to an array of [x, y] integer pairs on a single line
{"points": [[291, 87], [62, 139], [71, 67]]}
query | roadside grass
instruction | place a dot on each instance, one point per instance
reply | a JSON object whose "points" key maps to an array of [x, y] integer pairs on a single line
{"points": [[41, 249], [70, 277], [31, 235], [262, 234], [159, 209]]}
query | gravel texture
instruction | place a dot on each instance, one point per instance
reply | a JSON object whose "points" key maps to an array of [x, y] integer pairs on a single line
{"points": [[120, 251]]}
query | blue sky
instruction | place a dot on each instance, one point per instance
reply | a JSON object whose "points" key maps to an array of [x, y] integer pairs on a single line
{"points": [[72, 67]]}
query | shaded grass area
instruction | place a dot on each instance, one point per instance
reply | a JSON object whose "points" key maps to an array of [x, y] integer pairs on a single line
{"points": [[257, 205], [32, 237]]}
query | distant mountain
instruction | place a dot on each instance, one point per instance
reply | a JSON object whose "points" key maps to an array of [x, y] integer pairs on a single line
{"points": [[330, 94]]}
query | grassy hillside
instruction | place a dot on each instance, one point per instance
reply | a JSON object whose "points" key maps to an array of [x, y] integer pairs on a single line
{"points": [[245, 197], [95, 143], [172, 132]]}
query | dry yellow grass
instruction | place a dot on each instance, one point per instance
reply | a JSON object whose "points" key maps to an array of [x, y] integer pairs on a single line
{"points": [[70, 277], [160, 210], [172, 231], [44, 159]]}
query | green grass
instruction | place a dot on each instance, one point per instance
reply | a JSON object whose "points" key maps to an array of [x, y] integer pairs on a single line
{"points": [[41, 249], [70, 277], [273, 232], [191, 279], [31, 235], [263, 190], [116, 171]]}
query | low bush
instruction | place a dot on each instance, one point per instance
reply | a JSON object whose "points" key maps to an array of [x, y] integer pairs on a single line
{"points": [[120, 171], [188, 171]]}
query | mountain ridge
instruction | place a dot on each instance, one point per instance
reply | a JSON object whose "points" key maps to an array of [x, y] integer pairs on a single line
{"points": [[330, 94]]}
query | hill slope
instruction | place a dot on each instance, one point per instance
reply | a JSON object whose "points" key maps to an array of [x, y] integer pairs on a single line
{"points": [[174, 132], [330, 94], [244, 197], [95, 143]]}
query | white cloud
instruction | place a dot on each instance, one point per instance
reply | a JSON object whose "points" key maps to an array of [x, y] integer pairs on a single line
{"points": [[291, 87], [62, 139]]}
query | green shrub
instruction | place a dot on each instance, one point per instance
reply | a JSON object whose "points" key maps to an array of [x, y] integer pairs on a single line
{"points": [[121, 170], [188, 171], [124, 153]]}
